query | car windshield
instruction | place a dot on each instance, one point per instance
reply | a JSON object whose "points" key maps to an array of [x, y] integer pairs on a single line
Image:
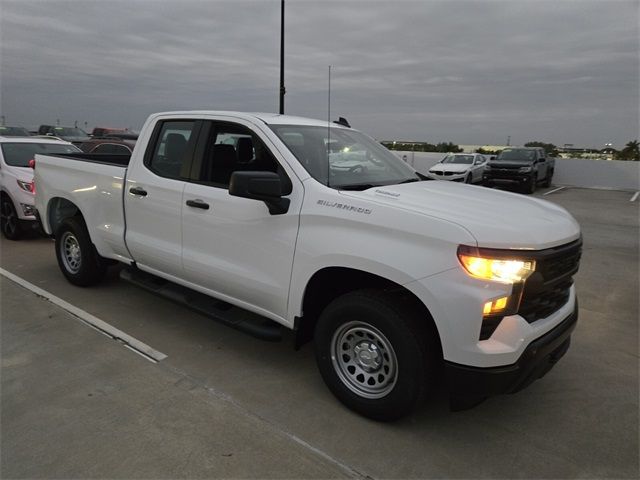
{"points": [[465, 159], [14, 132], [19, 154], [69, 132], [342, 158], [516, 154]]}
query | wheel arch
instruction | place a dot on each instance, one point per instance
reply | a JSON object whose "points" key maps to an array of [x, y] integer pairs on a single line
{"points": [[59, 209], [329, 283]]}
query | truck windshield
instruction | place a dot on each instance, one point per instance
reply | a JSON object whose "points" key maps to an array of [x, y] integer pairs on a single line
{"points": [[19, 154], [343, 158], [517, 155]]}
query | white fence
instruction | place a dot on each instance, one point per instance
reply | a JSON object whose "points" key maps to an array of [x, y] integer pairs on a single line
{"points": [[575, 172]]}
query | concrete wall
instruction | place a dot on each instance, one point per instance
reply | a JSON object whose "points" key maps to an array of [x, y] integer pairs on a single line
{"points": [[575, 172]]}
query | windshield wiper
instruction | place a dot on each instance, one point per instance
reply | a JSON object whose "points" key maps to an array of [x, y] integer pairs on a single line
{"points": [[355, 186], [410, 180]]}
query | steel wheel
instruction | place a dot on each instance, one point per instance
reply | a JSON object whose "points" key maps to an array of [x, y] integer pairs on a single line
{"points": [[70, 252], [364, 360]]}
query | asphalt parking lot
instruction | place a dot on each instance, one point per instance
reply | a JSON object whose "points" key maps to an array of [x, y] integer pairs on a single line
{"points": [[77, 404]]}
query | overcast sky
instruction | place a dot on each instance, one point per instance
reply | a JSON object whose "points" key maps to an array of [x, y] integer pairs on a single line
{"points": [[468, 72]]}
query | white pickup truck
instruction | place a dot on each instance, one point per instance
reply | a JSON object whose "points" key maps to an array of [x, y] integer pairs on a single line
{"points": [[253, 220]]}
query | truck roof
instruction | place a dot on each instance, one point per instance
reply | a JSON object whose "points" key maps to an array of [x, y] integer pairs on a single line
{"points": [[268, 118]]}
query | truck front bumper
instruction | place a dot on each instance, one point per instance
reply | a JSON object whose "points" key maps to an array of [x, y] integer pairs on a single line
{"points": [[474, 383]]}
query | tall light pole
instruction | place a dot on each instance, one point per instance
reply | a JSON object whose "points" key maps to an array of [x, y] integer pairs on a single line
{"points": [[282, 90]]}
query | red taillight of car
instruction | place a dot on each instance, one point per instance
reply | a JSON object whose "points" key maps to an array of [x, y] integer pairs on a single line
{"points": [[27, 186], [32, 163]]}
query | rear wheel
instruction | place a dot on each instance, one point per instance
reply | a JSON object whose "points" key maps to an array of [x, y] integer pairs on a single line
{"points": [[374, 353], [77, 257], [10, 223]]}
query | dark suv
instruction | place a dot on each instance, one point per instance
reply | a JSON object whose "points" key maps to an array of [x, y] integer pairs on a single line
{"points": [[520, 167]]}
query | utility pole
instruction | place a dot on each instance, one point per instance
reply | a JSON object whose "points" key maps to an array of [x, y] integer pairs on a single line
{"points": [[509, 140], [282, 90]]}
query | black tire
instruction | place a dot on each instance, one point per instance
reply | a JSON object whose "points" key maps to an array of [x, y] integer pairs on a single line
{"points": [[530, 186], [9, 221], [468, 178], [77, 257], [547, 180], [387, 332]]}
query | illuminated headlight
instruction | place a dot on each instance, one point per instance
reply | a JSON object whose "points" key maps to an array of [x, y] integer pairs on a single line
{"points": [[524, 169], [506, 270]]}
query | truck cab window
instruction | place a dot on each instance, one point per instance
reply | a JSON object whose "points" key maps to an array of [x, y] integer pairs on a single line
{"points": [[171, 148]]}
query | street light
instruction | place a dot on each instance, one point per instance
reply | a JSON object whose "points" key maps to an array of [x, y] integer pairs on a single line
{"points": [[282, 90]]}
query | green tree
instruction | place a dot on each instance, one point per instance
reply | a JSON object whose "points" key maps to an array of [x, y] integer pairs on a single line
{"points": [[448, 147], [631, 151], [482, 151], [550, 148]]}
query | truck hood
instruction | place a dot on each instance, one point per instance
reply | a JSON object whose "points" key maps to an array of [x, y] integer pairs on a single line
{"points": [[494, 218], [450, 167]]}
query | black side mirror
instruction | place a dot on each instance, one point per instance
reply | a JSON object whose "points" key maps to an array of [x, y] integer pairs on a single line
{"points": [[264, 186]]}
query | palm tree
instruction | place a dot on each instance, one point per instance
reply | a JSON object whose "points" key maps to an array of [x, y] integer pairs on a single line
{"points": [[631, 151]]}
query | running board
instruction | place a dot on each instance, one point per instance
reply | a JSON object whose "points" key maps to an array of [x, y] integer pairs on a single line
{"points": [[223, 312]]}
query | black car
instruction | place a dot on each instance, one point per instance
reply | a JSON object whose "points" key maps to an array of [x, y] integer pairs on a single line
{"points": [[70, 134], [6, 131], [525, 168]]}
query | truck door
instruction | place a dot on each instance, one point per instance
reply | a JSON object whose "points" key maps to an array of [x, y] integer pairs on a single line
{"points": [[153, 197], [233, 247]]}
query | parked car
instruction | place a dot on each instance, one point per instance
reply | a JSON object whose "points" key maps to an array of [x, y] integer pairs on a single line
{"points": [[394, 278], [107, 131], [460, 167], [6, 131], [16, 180], [521, 167], [109, 145], [69, 134]]}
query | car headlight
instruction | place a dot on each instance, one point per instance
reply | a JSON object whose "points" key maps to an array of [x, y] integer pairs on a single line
{"points": [[524, 169], [498, 268], [27, 186]]}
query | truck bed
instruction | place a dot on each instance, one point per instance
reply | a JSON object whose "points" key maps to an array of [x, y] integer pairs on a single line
{"points": [[94, 184]]}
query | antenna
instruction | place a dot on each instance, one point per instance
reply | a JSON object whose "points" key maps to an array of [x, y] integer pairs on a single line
{"points": [[329, 129]]}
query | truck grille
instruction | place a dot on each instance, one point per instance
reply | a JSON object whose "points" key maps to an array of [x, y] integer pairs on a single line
{"points": [[547, 290]]}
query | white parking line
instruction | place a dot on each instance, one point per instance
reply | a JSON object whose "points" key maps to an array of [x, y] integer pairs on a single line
{"points": [[635, 196], [134, 344], [554, 190]]}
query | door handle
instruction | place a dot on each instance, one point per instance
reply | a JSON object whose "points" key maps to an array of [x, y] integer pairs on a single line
{"points": [[138, 191], [198, 204]]}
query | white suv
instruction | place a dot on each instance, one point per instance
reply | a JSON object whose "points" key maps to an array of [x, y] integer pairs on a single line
{"points": [[16, 180]]}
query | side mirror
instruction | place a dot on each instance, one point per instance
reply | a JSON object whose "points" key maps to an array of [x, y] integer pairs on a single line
{"points": [[541, 160], [492, 157], [264, 186], [478, 162]]}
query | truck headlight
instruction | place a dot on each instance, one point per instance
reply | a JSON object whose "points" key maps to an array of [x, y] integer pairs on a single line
{"points": [[482, 264], [524, 169]]}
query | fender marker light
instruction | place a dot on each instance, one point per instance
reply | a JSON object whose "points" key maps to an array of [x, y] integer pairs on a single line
{"points": [[497, 269]]}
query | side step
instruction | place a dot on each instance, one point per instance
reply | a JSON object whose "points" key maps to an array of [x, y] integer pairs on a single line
{"points": [[235, 317]]}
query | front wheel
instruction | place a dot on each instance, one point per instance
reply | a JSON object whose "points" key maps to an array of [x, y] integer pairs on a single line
{"points": [[547, 180], [374, 353], [77, 257], [530, 186], [10, 224]]}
